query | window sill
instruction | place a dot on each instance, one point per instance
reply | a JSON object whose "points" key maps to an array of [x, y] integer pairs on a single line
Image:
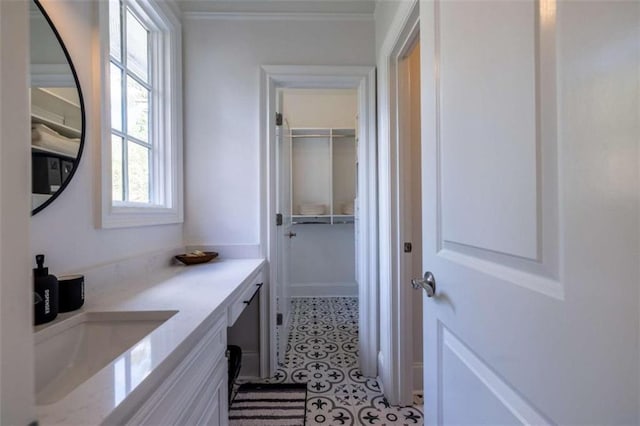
{"points": [[127, 216]]}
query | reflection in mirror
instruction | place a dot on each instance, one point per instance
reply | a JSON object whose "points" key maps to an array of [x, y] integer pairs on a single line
{"points": [[57, 112]]}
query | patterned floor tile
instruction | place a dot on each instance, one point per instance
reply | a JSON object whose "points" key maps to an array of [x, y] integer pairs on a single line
{"points": [[323, 352]]}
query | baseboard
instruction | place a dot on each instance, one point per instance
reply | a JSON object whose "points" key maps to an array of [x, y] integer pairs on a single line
{"points": [[417, 370], [324, 289], [418, 378], [380, 370], [230, 251], [250, 365]]}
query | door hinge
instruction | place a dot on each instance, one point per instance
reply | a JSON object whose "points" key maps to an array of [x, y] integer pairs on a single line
{"points": [[278, 119], [278, 219], [408, 247], [278, 319]]}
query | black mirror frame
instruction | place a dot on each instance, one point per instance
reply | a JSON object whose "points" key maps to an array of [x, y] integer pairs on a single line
{"points": [[82, 112]]}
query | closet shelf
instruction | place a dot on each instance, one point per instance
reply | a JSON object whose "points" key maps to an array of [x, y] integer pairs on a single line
{"points": [[335, 219], [40, 149], [56, 112], [63, 129], [322, 136]]}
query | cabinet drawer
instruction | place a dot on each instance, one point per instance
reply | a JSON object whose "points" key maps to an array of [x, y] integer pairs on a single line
{"points": [[248, 294], [171, 402]]}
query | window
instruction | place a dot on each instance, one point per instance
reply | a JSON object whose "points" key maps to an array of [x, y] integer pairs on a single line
{"points": [[132, 86], [142, 146]]}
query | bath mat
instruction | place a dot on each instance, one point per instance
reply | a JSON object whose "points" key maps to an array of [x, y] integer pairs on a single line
{"points": [[275, 404]]}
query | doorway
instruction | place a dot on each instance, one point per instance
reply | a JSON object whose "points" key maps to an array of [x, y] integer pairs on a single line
{"points": [[400, 362], [410, 205], [362, 81], [320, 158]]}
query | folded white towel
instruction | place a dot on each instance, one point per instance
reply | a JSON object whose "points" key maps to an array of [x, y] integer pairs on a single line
{"points": [[311, 209], [48, 138], [347, 208]]}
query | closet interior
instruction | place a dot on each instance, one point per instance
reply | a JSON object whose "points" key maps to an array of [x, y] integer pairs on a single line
{"points": [[323, 162]]}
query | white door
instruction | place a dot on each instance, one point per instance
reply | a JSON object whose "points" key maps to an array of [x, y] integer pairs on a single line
{"points": [[530, 211], [284, 233]]}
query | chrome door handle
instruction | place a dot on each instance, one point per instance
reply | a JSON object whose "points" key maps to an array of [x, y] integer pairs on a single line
{"points": [[428, 283], [290, 234]]}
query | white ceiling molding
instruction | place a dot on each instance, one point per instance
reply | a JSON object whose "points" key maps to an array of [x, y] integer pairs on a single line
{"points": [[257, 8], [270, 16]]}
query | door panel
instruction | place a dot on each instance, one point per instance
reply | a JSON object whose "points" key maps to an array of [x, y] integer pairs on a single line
{"points": [[530, 212], [497, 183], [467, 381], [499, 136], [488, 409]]}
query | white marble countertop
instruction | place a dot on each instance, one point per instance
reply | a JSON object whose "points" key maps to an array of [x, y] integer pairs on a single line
{"points": [[199, 293]]}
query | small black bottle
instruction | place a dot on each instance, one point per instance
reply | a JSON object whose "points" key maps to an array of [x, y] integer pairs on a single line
{"points": [[45, 286]]}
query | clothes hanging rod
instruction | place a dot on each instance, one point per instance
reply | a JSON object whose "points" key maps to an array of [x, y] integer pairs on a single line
{"points": [[323, 136]]}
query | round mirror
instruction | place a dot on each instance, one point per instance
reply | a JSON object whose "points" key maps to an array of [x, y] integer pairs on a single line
{"points": [[57, 112]]}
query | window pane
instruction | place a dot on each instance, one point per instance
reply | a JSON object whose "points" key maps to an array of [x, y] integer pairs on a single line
{"points": [[138, 169], [116, 97], [137, 110], [115, 28], [137, 47], [117, 189]]}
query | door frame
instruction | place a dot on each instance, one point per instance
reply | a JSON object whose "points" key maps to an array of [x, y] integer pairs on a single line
{"points": [[395, 360], [362, 78]]}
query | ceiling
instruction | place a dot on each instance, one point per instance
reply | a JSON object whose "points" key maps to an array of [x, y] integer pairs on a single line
{"points": [[349, 7]]}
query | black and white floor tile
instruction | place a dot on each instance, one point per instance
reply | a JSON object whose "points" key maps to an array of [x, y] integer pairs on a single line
{"points": [[323, 352]]}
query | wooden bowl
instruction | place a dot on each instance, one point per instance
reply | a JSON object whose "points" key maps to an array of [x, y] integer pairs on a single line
{"points": [[194, 260]]}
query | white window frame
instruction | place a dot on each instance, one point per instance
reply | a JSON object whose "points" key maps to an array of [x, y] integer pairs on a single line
{"points": [[166, 180]]}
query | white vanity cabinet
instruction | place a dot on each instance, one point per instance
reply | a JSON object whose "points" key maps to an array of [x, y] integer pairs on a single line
{"points": [[195, 393], [177, 374]]}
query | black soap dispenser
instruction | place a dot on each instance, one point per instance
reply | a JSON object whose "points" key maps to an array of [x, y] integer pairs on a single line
{"points": [[45, 286]]}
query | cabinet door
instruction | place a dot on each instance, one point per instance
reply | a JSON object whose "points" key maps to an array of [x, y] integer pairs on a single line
{"points": [[186, 390], [210, 408]]}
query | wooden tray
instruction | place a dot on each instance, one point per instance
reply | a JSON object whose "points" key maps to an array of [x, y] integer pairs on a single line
{"points": [[194, 260]]}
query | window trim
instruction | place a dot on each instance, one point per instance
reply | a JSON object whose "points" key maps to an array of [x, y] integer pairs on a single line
{"points": [[167, 170]]}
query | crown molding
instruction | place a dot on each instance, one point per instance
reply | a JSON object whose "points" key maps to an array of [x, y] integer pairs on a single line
{"points": [[271, 16]]}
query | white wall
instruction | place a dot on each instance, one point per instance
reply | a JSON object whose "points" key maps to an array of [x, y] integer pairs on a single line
{"points": [[323, 260], [320, 108], [221, 72], [16, 297], [385, 11], [65, 231]]}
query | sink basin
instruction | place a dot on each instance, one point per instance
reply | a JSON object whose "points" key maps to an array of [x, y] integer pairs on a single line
{"points": [[70, 352]]}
